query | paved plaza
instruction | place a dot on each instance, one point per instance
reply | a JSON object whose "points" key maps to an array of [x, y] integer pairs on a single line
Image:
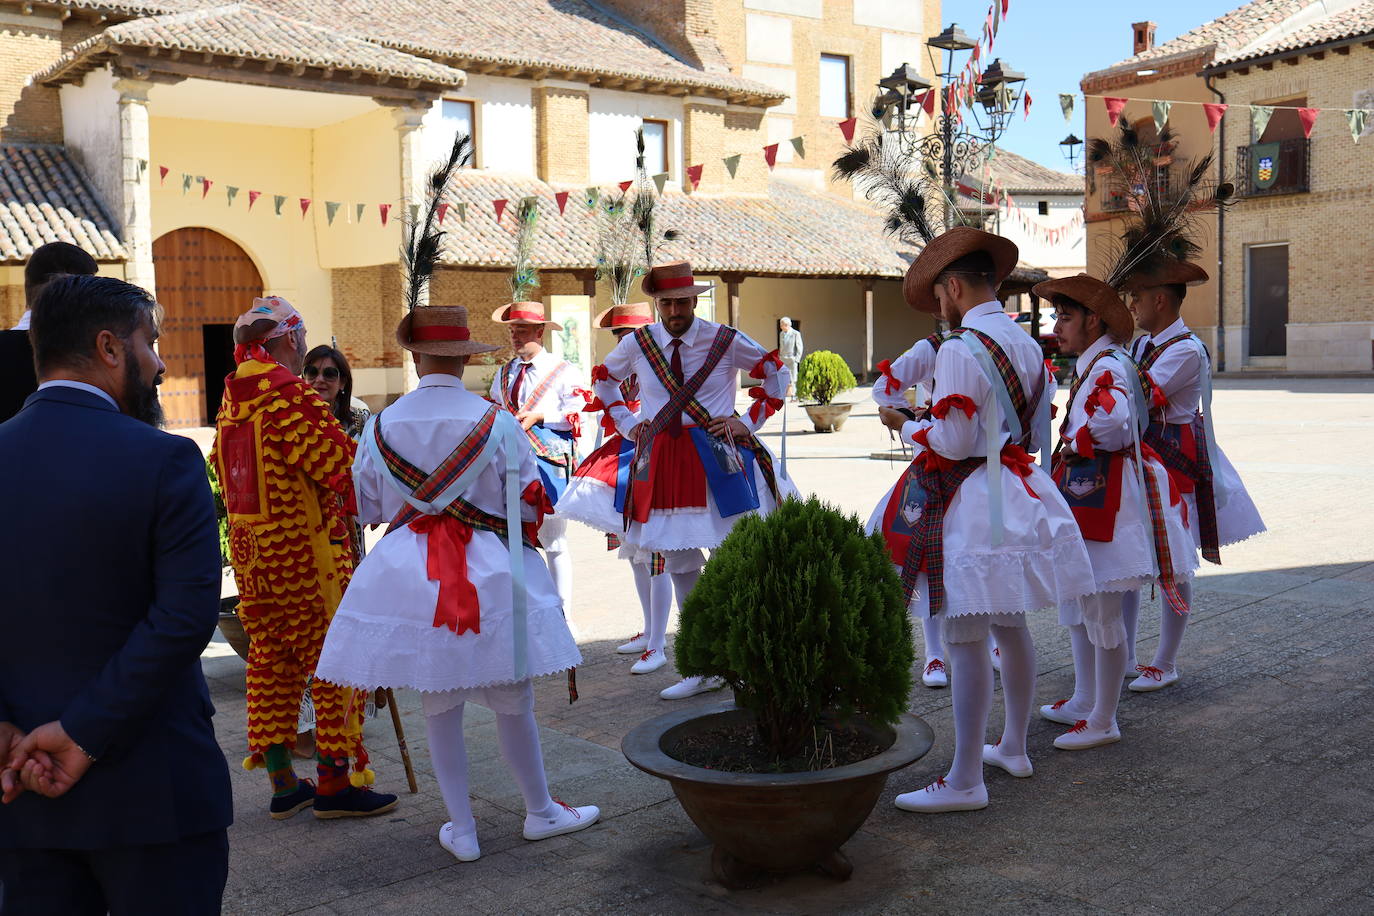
{"points": [[1240, 788]]}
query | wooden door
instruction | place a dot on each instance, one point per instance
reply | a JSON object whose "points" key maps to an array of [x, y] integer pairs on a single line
{"points": [[204, 281], [1268, 295]]}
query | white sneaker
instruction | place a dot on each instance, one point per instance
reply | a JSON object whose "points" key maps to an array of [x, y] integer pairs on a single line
{"points": [[938, 797], [565, 819], [1132, 670], [637, 644], [935, 674], [1016, 766], [690, 687], [649, 662], [463, 846], [1082, 736], [1063, 713], [1152, 678]]}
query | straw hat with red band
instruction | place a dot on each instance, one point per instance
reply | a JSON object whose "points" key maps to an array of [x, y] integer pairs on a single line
{"points": [[439, 330], [1165, 272], [942, 251], [1095, 296], [673, 280], [631, 315], [524, 313]]}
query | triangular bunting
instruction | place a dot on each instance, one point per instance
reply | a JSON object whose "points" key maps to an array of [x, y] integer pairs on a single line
{"points": [[660, 180], [162, 171], [694, 175], [358, 211], [1160, 107], [205, 187], [847, 128], [441, 211], [1357, 118], [1066, 105], [1259, 119], [732, 163], [500, 205], [185, 182], [1308, 117], [462, 212], [415, 214], [799, 145], [230, 193], [1214, 112], [385, 211], [770, 155], [277, 201], [928, 102], [305, 205], [562, 200], [1006, 6], [253, 198], [331, 210], [625, 185], [1114, 107], [1025, 105]]}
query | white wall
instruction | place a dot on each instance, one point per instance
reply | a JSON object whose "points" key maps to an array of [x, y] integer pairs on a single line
{"points": [[905, 15], [614, 116], [505, 124], [90, 123], [1071, 254]]}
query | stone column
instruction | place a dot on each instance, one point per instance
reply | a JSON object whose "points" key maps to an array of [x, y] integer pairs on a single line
{"points": [[866, 284], [135, 203], [412, 177], [563, 131]]}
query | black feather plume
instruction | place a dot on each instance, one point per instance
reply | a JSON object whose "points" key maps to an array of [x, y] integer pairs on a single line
{"points": [[889, 176], [420, 252]]}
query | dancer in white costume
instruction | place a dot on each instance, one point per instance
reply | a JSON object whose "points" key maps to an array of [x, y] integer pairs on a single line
{"points": [[697, 468], [442, 605], [1131, 515]]}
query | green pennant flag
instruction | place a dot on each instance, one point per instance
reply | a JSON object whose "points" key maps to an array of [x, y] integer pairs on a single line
{"points": [[799, 144], [660, 180], [463, 212], [331, 210], [1357, 117], [231, 192], [1066, 105], [277, 201], [185, 183], [414, 214], [358, 211], [732, 163], [1161, 111], [1259, 119]]}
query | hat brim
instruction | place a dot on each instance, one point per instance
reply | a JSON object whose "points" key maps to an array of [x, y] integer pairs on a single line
{"points": [[677, 292], [603, 317], [1095, 296], [497, 317], [944, 250], [1183, 272], [438, 347]]}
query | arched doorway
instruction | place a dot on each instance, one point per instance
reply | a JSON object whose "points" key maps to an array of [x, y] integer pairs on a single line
{"points": [[204, 282]]}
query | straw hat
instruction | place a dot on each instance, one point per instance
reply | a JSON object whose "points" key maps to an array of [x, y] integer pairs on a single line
{"points": [[524, 313], [1095, 296], [944, 250], [631, 315], [439, 330], [673, 280], [1163, 272]]}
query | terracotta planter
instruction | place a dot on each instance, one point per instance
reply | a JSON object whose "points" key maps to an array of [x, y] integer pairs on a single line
{"points": [[774, 822], [828, 417], [231, 628]]}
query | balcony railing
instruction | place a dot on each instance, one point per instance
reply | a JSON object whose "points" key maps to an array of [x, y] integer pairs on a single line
{"points": [[1280, 167], [1114, 196]]}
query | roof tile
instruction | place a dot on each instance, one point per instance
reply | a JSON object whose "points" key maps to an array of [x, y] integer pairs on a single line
{"points": [[45, 197]]}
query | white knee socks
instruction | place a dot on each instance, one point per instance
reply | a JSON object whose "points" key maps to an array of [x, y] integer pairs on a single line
{"points": [[1130, 615], [560, 565], [1084, 670], [1111, 667], [971, 688], [1171, 627], [518, 736], [683, 583], [643, 584], [1018, 685], [450, 757], [935, 643], [660, 606]]}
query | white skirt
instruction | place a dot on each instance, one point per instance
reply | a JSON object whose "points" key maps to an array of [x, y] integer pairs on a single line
{"points": [[1041, 562], [1237, 517], [1127, 561], [383, 634]]}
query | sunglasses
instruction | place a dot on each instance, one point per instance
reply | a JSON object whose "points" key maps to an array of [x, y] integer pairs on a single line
{"points": [[330, 373]]}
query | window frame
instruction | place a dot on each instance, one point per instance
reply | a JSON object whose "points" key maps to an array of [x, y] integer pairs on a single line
{"points": [[848, 84], [667, 146], [474, 108]]}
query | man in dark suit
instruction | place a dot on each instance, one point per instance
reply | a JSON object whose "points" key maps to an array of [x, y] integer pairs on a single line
{"points": [[17, 379], [116, 793]]}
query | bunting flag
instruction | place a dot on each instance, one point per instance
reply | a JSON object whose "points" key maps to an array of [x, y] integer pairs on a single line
{"points": [[1006, 5], [277, 201], [799, 145], [1308, 117], [1160, 108], [694, 175], [625, 185], [230, 193], [928, 102], [185, 182], [660, 180], [1027, 105], [592, 196], [561, 197], [770, 155], [358, 211], [384, 210], [442, 210], [305, 206], [1114, 108], [253, 198], [1066, 105], [500, 205], [162, 171], [462, 212], [205, 187], [415, 214], [847, 128], [732, 163], [1214, 112], [1357, 117], [331, 210], [1259, 118]]}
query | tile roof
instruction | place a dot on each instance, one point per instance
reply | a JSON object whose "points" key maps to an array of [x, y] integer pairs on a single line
{"points": [[45, 197], [1355, 21], [250, 32], [1018, 174]]}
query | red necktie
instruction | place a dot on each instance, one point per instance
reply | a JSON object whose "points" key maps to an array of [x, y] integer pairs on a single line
{"points": [[1149, 348], [675, 364], [515, 387]]}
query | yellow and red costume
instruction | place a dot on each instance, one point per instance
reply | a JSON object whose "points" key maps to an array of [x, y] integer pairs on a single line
{"points": [[285, 465]]}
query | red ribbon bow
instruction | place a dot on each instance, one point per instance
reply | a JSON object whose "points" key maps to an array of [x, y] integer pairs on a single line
{"points": [[894, 384], [957, 402], [574, 423], [600, 373], [458, 607], [760, 367], [1019, 461], [763, 403], [586, 394]]}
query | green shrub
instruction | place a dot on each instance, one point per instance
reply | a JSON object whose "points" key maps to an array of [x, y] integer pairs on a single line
{"points": [[823, 375], [801, 613], [221, 514]]}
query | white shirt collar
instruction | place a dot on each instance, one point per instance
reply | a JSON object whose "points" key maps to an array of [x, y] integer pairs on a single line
{"points": [[992, 307], [439, 380], [23, 324], [1085, 359], [79, 386], [1172, 331]]}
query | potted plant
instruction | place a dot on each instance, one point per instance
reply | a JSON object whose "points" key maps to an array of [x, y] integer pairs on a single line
{"points": [[823, 375], [229, 625], [802, 615]]}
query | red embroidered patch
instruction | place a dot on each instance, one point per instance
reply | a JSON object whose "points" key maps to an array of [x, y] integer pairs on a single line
{"points": [[238, 449]]}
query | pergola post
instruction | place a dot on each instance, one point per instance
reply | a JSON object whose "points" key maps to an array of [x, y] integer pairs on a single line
{"points": [[866, 284], [732, 284]]}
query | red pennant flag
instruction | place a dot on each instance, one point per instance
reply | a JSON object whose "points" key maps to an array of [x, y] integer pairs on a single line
{"points": [[562, 198], [1214, 111], [1006, 4], [1114, 107], [770, 155], [1308, 117], [305, 205], [253, 198], [625, 185], [1027, 105], [441, 211], [694, 175], [163, 170], [500, 205], [385, 211], [847, 128], [205, 188]]}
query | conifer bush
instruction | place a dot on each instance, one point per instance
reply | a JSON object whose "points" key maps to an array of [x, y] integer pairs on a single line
{"points": [[802, 614], [823, 375]]}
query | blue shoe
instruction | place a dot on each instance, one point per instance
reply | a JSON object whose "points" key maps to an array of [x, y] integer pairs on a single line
{"points": [[283, 806], [353, 802]]}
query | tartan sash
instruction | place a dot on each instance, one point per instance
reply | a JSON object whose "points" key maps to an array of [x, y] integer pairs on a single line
{"points": [[1024, 407], [544, 450]]}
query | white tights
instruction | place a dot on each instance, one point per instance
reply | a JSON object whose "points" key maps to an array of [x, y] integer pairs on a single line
{"points": [[1171, 626], [971, 689], [656, 601], [518, 736]]}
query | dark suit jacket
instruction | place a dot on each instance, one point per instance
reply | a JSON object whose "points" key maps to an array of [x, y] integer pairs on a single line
{"points": [[109, 591], [17, 380]]}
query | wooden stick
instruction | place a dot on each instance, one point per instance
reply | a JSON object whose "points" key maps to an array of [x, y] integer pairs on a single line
{"points": [[400, 738]]}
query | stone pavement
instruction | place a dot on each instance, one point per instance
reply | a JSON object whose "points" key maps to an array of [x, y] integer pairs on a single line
{"points": [[1240, 788]]}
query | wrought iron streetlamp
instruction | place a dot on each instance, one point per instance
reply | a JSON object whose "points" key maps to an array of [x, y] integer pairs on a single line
{"points": [[1070, 145]]}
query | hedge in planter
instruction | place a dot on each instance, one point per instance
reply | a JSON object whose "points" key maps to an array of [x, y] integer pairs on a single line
{"points": [[823, 375], [801, 613]]}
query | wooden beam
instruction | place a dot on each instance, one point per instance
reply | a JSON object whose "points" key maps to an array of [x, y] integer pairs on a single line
{"points": [[1267, 65], [1292, 61], [732, 284], [1343, 50], [1319, 55]]}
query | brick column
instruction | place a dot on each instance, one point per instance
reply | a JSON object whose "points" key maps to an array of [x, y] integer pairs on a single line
{"points": [[562, 128], [703, 143], [135, 203]]}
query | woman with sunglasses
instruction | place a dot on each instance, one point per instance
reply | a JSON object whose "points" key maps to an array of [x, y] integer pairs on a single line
{"points": [[326, 370]]}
